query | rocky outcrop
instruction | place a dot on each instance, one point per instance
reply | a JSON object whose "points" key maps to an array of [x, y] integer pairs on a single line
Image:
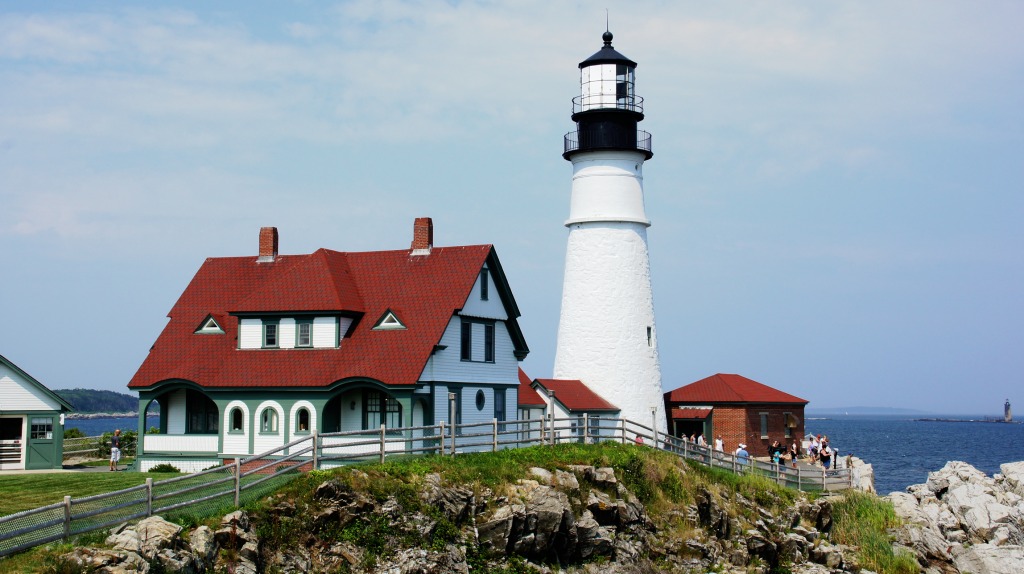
{"points": [[962, 520], [576, 519]]}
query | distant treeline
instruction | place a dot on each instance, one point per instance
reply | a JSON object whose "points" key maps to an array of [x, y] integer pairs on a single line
{"points": [[93, 401]]}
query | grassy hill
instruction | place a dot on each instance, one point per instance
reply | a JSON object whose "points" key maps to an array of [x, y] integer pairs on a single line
{"points": [[94, 401]]}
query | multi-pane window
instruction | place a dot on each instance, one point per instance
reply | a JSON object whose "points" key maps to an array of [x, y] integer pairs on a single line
{"points": [[268, 421], [381, 409], [236, 420], [477, 333], [764, 425], [483, 284], [41, 428], [304, 334], [499, 406], [270, 334]]}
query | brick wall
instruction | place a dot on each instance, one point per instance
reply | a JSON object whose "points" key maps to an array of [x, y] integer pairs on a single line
{"points": [[742, 423]]}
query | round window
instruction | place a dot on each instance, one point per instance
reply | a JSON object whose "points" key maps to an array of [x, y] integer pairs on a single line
{"points": [[480, 400]]}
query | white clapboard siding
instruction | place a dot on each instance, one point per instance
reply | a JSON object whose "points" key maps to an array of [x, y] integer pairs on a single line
{"points": [[176, 412], [250, 334], [265, 441], [286, 334], [324, 332], [186, 466], [236, 442], [447, 365], [17, 394], [492, 308]]}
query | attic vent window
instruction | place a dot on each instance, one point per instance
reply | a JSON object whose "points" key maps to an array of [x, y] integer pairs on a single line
{"points": [[210, 326], [388, 322]]}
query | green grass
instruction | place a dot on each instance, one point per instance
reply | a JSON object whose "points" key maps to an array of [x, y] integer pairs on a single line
{"points": [[27, 491], [861, 519]]}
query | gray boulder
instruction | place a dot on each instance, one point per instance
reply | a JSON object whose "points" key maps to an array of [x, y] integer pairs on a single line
{"points": [[146, 538], [989, 559]]}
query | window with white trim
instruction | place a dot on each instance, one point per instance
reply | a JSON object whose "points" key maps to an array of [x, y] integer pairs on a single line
{"points": [[304, 334], [270, 332]]}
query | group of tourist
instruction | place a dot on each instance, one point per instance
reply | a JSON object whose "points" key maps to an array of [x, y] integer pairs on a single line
{"points": [[819, 450], [822, 452]]}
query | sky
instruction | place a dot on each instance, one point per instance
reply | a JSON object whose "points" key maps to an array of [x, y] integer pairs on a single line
{"points": [[835, 193]]}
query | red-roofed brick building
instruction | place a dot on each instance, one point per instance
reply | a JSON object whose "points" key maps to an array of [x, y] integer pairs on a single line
{"points": [[262, 350], [739, 409]]}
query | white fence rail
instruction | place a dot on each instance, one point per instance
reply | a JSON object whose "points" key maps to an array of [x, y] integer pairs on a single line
{"points": [[241, 478]]}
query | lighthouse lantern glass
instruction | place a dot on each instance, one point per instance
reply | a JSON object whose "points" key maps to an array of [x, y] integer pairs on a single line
{"points": [[607, 86]]}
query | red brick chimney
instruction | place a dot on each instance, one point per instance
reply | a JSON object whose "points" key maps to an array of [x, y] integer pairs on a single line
{"points": [[268, 245], [422, 236]]}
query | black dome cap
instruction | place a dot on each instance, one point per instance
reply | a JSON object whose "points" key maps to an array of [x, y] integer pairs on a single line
{"points": [[607, 55]]}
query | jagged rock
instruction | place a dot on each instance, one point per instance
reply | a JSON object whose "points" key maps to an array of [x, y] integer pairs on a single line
{"points": [[954, 474], [925, 542], [758, 545], [107, 561], [711, 515], [456, 503], [827, 554], [146, 538], [181, 562], [1013, 476], [603, 476], [542, 475], [202, 544], [810, 535], [793, 548], [629, 512], [989, 559], [593, 539], [291, 560], [238, 519], [493, 535], [977, 509], [605, 510], [420, 561], [566, 480], [823, 522]]}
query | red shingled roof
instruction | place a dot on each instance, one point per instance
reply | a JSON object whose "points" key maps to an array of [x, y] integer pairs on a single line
{"points": [[575, 395], [722, 388], [427, 289], [528, 396]]}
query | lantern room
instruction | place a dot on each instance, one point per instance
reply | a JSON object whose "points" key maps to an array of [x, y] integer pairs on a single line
{"points": [[607, 79]]}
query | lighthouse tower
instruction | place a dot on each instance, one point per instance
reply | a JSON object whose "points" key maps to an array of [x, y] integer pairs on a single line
{"points": [[606, 332]]}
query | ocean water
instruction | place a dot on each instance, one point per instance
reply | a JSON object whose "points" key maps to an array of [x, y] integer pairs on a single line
{"points": [[903, 450], [96, 427]]}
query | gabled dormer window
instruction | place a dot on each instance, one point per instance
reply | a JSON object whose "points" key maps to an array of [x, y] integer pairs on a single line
{"points": [[210, 326], [388, 321], [303, 333], [270, 339]]}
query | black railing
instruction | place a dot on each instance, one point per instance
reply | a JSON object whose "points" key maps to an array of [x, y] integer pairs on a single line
{"points": [[601, 141]]}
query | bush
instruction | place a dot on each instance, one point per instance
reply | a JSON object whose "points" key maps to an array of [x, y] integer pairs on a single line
{"points": [[73, 432], [164, 467]]}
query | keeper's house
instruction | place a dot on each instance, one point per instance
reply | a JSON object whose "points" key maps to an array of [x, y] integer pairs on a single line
{"points": [[31, 421], [739, 409], [262, 350]]}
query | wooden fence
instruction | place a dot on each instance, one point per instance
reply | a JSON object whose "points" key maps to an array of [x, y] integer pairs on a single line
{"points": [[243, 479]]}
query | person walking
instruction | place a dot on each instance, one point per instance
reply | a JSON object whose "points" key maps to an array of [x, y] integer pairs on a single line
{"points": [[115, 449], [742, 456]]}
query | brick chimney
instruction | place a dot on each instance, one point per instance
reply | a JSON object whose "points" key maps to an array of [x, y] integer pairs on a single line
{"points": [[422, 236], [268, 245]]}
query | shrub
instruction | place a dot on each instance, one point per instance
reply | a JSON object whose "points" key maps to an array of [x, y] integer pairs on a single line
{"points": [[73, 432], [164, 467]]}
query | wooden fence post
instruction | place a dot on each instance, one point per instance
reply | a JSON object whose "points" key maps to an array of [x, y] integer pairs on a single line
{"points": [[799, 473], [823, 485], [67, 517], [494, 435], [440, 434], [383, 442], [238, 481], [586, 429], [315, 437], [149, 496]]}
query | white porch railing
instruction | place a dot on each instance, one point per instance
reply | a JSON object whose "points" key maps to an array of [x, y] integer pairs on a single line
{"points": [[179, 443]]}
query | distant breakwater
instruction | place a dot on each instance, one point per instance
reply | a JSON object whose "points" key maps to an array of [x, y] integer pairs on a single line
{"points": [[943, 420], [102, 415]]}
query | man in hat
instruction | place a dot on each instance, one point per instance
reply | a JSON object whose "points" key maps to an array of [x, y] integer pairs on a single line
{"points": [[742, 456]]}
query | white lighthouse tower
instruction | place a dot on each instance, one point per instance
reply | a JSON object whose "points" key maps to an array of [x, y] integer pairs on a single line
{"points": [[606, 332]]}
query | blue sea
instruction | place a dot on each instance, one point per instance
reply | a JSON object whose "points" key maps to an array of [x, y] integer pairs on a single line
{"points": [[903, 450], [96, 427]]}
